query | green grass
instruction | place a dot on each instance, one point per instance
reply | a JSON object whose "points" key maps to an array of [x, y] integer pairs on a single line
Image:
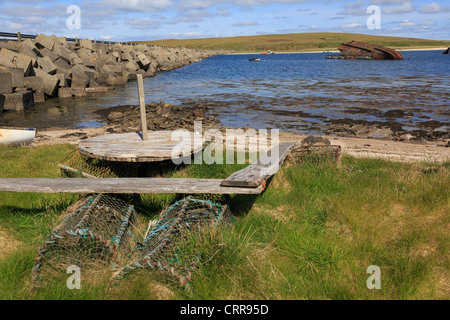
{"points": [[298, 42], [311, 235]]}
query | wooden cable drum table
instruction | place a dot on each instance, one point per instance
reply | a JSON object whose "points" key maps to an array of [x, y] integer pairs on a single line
{"points": [[130, 147]]}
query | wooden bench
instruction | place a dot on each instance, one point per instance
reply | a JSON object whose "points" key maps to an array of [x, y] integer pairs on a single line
{"points": [[250, 180]]}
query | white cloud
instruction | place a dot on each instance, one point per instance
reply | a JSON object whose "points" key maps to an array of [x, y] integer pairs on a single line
{"points": [[15, 26], [428, 23], [434, 7], [388, 1], [354, 9], [222, 12], [193, 15], [407, 24], [134, 5], [246, 23], [142, 23], [400, 9], [351, 25]]}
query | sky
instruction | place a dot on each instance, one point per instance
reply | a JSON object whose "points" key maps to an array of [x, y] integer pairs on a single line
{"points": [[132, 20]]}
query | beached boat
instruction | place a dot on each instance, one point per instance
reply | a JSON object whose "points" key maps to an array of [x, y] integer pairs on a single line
{"points": [[17, 136], [355, 50], [254, 59]]}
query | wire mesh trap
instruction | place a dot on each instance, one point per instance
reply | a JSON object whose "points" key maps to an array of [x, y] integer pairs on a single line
{"points": [[97, 232], [167, 247], [76, 165], [316, 154]]}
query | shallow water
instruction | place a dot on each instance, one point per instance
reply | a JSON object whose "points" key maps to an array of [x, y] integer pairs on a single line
{"points": [[296, 92]]}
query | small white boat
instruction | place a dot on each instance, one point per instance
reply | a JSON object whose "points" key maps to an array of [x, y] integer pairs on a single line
{"points": [[17, 136], [254, 59]]}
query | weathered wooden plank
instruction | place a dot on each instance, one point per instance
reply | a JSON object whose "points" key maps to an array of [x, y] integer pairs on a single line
{"points": [[142, 107], [129, 147], [120, 185], [256, 174]]}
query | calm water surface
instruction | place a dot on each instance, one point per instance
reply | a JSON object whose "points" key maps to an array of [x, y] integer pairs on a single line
{"points": [[296, 92]]}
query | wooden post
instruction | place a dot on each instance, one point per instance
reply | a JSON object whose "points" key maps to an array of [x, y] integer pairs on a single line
{"points": [[142, 106], [19, 37]]}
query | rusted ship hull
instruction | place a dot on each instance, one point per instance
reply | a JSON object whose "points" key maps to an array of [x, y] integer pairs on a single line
{"points": [[376, 52]]}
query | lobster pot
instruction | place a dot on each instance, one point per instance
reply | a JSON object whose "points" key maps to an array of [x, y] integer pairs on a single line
{"points": [[170, 245], [97, 232], [76, 165], [316, 154]]}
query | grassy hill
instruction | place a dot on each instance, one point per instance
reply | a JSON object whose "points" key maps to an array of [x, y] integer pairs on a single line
{"points": [[298, 42]]}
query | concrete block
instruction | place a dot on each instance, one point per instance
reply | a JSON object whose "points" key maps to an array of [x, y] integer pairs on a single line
{"points": [[38, 97], [62, 79], [85, 53], [116, 56], [59, 63], [82, 71], [12, 59], [86, 43], [116, 80], [131, 76], [62, 53], [117, 47], [50, 82], [151, 72], [58, 41], [79, 92], [42, 41], [34, 83], [96, 90], [18, 101], [67, 74], [16, 76], [46, 65], [50, 54], [90, 63], [65, 92], [115, 69], [127, 56], [28, 48], [79, 83], [131, 65], [75, 59], [5, 82], [2, 103], [143, 61], [8, 46]]}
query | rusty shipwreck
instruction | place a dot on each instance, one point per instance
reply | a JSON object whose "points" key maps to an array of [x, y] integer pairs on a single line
{"points": [[356, 49]]}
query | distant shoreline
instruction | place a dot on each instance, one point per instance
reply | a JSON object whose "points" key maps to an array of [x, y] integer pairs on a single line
{"points": [[337, 51]]}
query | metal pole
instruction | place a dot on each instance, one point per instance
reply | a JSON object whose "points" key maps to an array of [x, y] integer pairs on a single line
{"points": [[142, 106]]}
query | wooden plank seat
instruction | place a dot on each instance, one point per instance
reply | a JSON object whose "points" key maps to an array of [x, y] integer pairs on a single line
{"points": [[121, 185], [256, 174]]}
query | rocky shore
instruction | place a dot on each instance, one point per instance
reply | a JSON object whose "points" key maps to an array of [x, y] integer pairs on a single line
{"points": [[48, 66], [160, 116]]}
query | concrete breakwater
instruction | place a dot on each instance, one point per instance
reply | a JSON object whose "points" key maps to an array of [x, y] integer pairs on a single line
{"points": [[48, 66]]}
